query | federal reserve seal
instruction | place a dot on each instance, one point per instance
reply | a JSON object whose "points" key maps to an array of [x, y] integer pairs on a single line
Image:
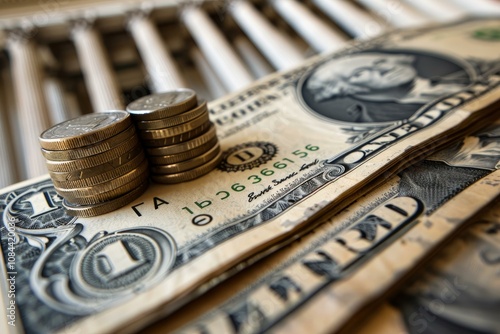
{"points": [[38, 211], [109, 268], [381, 86], [247, 156]]}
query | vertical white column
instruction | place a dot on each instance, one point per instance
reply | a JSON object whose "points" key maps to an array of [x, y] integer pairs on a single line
{"points": [[278, 49], [159, 63], [59, 108], [216, 49], [13, 127], [100, 79], [211, 79], [396, 13], [355, 21], [8, 159], [317, 33], [72, 106], [33, 115], [479, 7], [252, 58], [56, 95], [441, 11]]}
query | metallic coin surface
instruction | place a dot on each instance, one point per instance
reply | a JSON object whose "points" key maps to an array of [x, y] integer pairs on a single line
{"points": [[174, 120], [97, 179], [94, 160], [100, 209], [86, 151], [162, 105], [190, 174], [174, 130], [108, 195], [188, 164], [79, 174], [183, 137], [183, 156], [106, 186], [84, 130], [184, 146]]}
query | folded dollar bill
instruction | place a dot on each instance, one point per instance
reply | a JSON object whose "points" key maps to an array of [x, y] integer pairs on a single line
{"points": [[320, 283], [297, 145], [458, 291]]}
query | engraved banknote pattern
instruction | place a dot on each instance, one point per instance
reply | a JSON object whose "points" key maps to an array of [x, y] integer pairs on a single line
{"points": [[314, 265], [173, 239]]}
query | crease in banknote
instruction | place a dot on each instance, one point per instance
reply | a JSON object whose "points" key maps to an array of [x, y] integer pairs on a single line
{"points": [[333, 168], [248, 308]]}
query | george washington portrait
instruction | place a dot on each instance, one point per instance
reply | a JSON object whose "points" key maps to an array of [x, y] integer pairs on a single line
{"points": [[381, 86]]}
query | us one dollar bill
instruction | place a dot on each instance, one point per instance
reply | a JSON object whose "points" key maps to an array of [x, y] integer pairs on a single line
{"points": [[459, 291], [297, 145], [321, 283]]}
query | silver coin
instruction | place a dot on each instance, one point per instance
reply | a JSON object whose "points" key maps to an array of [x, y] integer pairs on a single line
{"points": [[109, 195], [183, 146], [94, 160], [89, 150], [84, 130], [105, 186], [105, 207], [183, 156], [189, 174], [183, 166], [70, 180], [181, 138], [162, 105], [175, 130], [184, 117], [79, 173]]}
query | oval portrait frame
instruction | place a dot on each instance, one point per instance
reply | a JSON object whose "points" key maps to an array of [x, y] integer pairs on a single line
{"points": [[458, 62]]}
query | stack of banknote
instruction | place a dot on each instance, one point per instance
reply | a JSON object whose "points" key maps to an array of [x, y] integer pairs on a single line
{"points": [[342, 182]]}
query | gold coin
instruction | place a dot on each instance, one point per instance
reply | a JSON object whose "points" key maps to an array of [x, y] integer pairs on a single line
{"points": [[190, 174], [174, 130], [162, 105], [106, 186], [100, 209], [108, 195], [188, 164], [183, 137], [86, 151], [190, 115], [185, 146], [115, 164], [84, 130], [183, 156], [97, 179], [94, 160]]}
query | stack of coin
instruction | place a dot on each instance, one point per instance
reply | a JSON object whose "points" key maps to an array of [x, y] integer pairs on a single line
{"points": [[179, 139], [96, 162]]}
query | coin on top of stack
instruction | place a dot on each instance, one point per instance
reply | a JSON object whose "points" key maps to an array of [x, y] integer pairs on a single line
{"points": [[96, 162], [180, 141]]}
